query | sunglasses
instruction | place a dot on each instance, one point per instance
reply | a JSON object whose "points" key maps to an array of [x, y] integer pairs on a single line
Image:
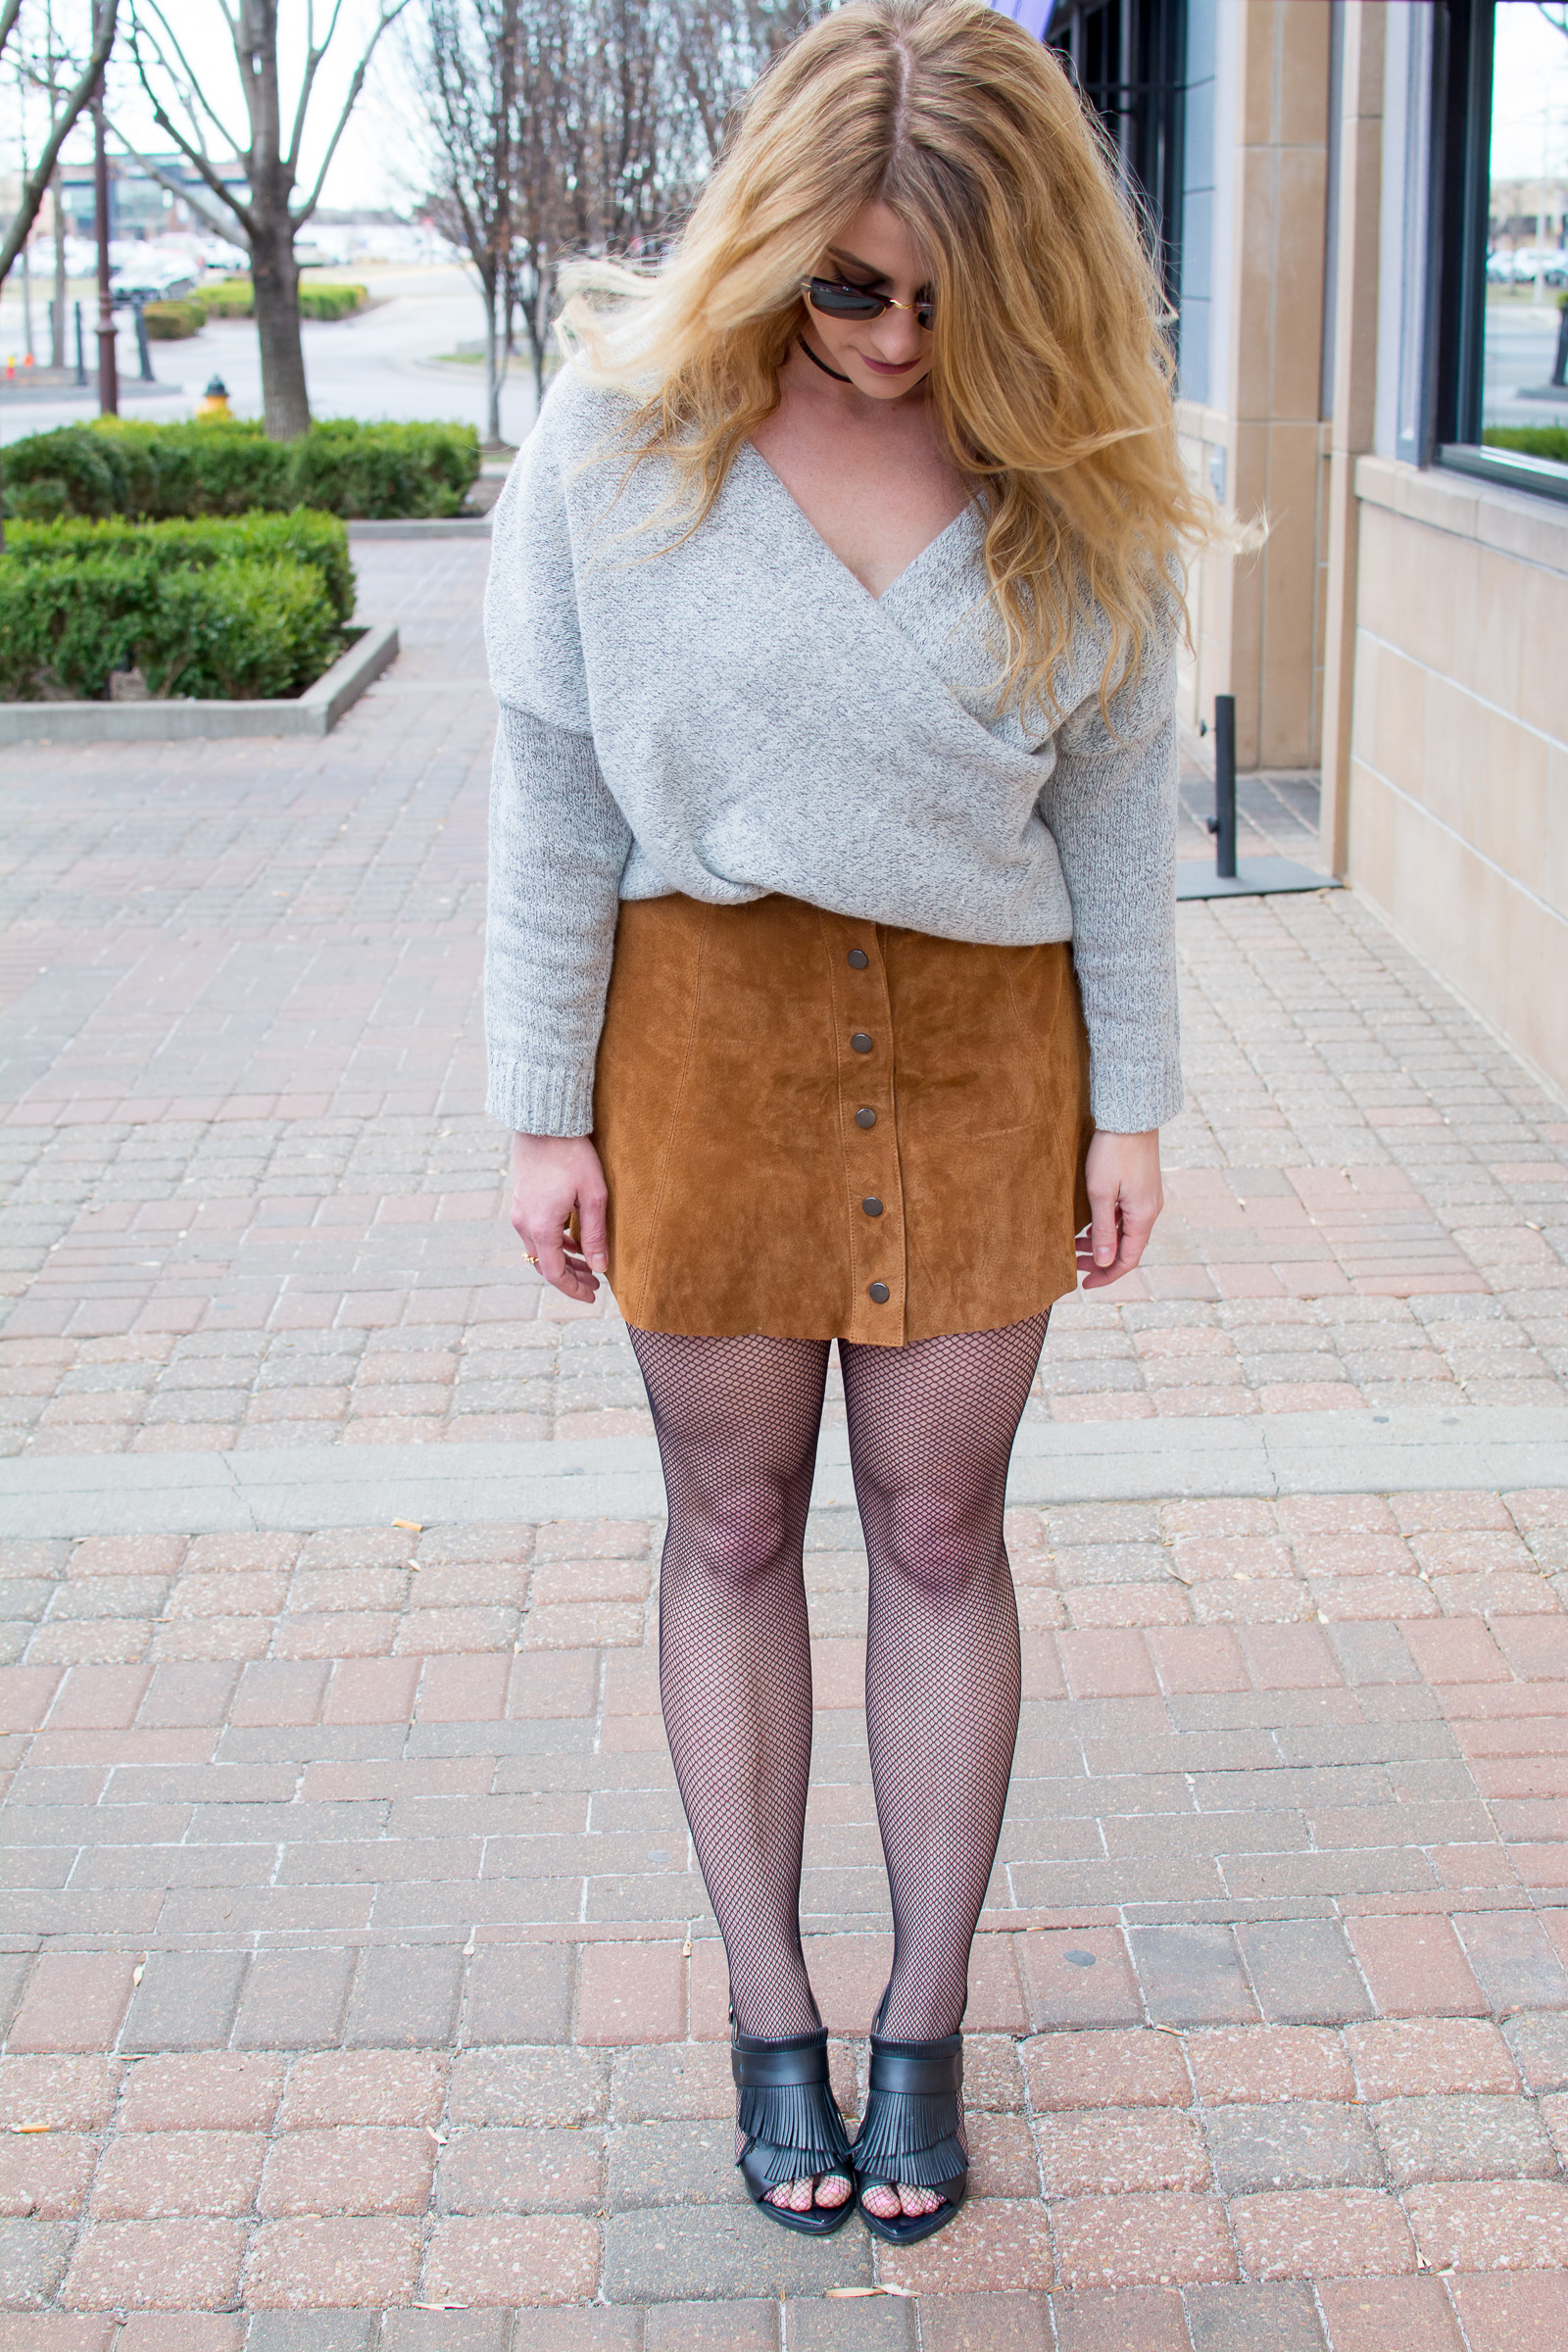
{"points": [[835, 300]]}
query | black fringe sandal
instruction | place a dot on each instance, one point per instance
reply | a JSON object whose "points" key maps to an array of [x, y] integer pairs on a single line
{"points": [[913, 2132], [790, 2126]]}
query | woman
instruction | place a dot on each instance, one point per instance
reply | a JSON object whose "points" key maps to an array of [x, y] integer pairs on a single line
{"points": [[830, 979]]}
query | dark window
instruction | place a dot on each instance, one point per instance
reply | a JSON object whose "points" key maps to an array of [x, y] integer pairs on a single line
{"points": [[1127, 56], [1498, 334]]}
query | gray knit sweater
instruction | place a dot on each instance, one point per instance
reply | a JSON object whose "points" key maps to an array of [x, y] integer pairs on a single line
{"points": [[738, 715]]}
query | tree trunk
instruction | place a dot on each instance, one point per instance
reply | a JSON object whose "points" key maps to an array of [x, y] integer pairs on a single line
{"points": [[56, 312], [492, 355], [276, 276]]}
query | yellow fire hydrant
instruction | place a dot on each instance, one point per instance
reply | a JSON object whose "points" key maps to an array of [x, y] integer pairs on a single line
{"points": [[214, 402]]}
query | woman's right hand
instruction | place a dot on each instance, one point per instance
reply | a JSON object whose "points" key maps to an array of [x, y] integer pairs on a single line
{"points": [[552, 1176]]}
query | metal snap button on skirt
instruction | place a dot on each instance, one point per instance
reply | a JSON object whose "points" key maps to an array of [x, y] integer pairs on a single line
{"points": [[820, 1128]]}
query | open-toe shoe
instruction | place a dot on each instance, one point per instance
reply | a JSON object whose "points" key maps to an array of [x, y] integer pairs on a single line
{"points": [[913, 2133], [790, 2126]]}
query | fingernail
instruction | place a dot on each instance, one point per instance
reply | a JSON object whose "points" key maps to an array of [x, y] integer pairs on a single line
{"points": [[600, 1265]]}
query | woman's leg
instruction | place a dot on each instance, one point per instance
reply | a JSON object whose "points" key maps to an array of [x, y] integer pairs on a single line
{"points": [[931, 1429], [737, 1422]]}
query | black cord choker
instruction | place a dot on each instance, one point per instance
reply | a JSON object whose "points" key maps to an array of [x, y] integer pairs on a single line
{"points": [[822, 363]]}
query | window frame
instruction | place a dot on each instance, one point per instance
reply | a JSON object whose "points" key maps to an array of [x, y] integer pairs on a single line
{"points": [[1142, 106], [1458, 213]]}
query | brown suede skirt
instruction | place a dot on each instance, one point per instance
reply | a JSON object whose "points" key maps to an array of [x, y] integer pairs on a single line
{"points": [[820, 1128]]}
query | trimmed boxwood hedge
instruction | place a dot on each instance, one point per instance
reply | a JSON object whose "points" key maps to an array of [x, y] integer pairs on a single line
{"points": [[317, 540], [229, 467], [172, 322], [235, 298], [241, 629]]}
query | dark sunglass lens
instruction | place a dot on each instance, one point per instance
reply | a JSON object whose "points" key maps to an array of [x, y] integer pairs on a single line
{"points": [[844, 302], [924, 316]]}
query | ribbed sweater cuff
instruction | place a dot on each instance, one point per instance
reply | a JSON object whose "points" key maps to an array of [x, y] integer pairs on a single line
{"points": [[534, 1098], [1128, 1098]]}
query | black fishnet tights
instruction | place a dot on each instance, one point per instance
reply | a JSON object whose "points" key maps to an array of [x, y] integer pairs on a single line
{"points": [[931, 1426]]}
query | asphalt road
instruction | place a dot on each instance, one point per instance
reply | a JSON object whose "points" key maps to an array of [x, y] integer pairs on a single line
{"points": [[380, 364]]}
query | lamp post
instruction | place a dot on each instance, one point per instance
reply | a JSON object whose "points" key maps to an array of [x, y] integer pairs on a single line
{"points": [[108, 374]]}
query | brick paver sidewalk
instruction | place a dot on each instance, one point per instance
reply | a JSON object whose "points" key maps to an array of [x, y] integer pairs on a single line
{"points": [[360, 1987]]}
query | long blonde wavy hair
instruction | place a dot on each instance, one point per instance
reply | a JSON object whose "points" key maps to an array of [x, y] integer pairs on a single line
{"points": [[1050, 374]]}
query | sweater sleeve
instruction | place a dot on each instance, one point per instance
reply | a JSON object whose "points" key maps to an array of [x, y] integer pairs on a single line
{"points": [[557, 841], [1111, 805], [557, 844]]}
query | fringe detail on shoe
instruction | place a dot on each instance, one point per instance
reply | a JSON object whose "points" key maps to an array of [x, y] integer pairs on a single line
{"points": [[908, 2137], [800, 2127]]}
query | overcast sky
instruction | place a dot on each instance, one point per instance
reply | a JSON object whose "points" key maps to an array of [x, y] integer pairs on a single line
{"points": [[1529, 95], [378, 160]]}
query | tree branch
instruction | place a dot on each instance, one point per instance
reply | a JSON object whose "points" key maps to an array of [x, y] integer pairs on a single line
{"points": [[190, 89], [388, 15], [313, 60], [177, 188], [76, 98]]}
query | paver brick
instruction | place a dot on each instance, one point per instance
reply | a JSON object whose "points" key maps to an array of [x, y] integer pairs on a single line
{"points": [[68, 2095], [1078, 1977], [149, 2176], [1491, 2225], [1257, 2064], [750, 2326], [503, 2171], [1191, 1976], [1135, 2067], [1253, 2319], [154, 2266], [44, 2175], [346, 2087], [1415, 1967], [1408, 2057], [1517, 1966], [1375, 2315], [293, 2000], [33, 2257], [185, 2001], [354, 2261], [1141, 2240], [349, 2169], [1308, 2143], [217, 2091], [1131, 2319], [1540, 2047], [1511, 2314], [74, 2001], [518, 1993], [404, 1997], [630, 1992], [1111, 2151], [1302, 1971]]}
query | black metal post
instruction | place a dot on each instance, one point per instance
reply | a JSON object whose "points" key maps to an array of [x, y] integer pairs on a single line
{"points": [[81, 356], [138, 304], [1225, 787], [108, 373]]}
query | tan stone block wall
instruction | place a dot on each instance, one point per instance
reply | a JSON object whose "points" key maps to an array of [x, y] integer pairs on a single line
{"points": [[1458, 819]]}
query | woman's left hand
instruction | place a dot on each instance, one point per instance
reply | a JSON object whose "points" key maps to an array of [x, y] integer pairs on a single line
{"points": [[1125, 1196]]}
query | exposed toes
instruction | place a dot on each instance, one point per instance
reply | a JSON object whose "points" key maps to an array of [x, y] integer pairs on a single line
{"points": [[833, 2189]]}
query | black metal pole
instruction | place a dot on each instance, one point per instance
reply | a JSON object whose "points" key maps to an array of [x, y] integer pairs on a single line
{"points": [[1225, 787], [108, 374], [81, 357], [144, 348]]}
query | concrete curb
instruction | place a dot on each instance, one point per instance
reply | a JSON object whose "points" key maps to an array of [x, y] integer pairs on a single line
{"points": [[432, 526], [455, 1484], [314, 713]]}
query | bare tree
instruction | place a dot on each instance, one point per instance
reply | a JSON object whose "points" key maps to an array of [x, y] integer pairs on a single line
{"points": [[465, 59], [70, 105], [270, 209], [723, 45]]}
